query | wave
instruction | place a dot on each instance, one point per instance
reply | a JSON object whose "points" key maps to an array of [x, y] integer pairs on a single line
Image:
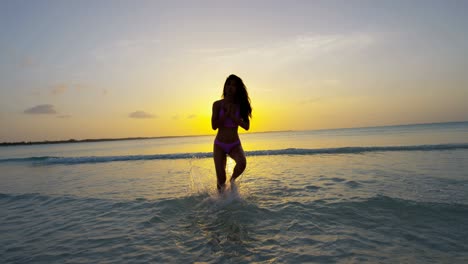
{"points": [[49, 160]]}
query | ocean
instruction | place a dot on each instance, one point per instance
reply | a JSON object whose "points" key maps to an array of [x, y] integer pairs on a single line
{"points": [[395, 194]]}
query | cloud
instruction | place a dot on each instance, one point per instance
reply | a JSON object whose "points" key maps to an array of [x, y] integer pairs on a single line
{"points": [[300, 47], [46, 109], [141, 115], [191, 116], [58, 89], [63, 116], [175, 117]]}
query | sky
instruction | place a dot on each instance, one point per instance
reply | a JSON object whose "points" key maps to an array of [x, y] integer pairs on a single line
{"points": [[112, 69]]}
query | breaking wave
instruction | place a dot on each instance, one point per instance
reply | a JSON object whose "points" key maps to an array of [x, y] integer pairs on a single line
{"points": [[46, 160]]}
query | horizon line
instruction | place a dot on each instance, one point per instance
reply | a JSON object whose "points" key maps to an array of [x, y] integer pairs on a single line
{"points": [[72, 140]]}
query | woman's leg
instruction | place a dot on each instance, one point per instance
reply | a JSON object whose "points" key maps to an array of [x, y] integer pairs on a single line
{"points": [[219, 157], [238, 155]]}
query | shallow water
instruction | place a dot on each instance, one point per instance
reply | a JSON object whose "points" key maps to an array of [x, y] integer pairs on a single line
{"points": [[386, 206]]}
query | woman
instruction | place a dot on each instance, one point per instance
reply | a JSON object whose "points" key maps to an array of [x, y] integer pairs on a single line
{"points": [[229, 113]]}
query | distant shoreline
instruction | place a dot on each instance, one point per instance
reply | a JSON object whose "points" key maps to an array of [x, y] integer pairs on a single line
{"points": [[84, 140], [21, 143]]}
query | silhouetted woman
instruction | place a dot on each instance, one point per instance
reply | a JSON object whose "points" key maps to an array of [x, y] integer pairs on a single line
{"points": [[229, 113]]}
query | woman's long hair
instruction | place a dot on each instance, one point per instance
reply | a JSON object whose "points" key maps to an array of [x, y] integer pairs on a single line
{"points": [[242, 97]]}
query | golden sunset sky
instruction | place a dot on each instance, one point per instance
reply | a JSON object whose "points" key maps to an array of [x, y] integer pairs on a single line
{"points": [[109, 69]]}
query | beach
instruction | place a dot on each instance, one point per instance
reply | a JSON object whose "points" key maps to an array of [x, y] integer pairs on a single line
{"points": [[395, 194]]}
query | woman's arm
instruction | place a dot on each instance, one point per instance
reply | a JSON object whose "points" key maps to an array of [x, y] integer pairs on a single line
{"points": [[216, 121], [245, 124]]}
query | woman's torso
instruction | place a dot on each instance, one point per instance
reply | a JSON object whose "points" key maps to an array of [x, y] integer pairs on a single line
{"points": [[228, 132]]}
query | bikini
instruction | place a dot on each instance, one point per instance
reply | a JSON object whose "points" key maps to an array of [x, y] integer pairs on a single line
{"points": [[227, 147], [228, 122]]}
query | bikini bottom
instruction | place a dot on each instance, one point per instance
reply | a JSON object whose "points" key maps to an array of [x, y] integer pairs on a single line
{"points": [[227, 147]]}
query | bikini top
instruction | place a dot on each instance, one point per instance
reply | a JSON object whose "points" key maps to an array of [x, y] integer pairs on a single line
{"points": [[228, 122]]}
